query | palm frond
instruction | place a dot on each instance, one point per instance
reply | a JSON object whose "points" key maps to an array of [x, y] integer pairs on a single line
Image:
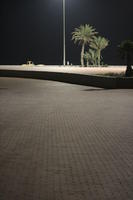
{"points": [[83, 34], [99, 43], [126, 47]]}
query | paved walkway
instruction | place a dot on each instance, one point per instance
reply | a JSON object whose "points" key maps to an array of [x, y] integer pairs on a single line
{"points": [[65, 142]]}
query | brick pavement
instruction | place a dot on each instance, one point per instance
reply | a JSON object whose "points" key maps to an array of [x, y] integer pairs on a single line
{"points": [[65, 142]]}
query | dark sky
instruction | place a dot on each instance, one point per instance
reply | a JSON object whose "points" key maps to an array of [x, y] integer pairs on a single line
{"points": [[33, 28]]}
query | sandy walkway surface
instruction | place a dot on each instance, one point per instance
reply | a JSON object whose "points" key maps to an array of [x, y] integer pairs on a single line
{"points": [[70, 69]]}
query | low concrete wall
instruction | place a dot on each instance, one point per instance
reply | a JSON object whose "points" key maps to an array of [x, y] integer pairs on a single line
{"points": [[80, 79]]}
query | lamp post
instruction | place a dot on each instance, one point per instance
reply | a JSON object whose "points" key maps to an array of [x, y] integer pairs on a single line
{"points": [[64, 34]]}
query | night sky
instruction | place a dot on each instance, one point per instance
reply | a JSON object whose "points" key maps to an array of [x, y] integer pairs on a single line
{"points": [[32, 29]]}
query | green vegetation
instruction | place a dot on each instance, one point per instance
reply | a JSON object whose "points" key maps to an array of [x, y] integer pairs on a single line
{"points": [[85, 35], [126, 53], [87, 58], [98, 44], [90, 57]]}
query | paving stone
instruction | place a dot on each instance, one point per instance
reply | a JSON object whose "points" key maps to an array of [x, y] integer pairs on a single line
{"points": [[65, 142]]}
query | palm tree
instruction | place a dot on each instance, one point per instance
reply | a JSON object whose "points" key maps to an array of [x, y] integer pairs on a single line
{"points": [[83, 35], [90, 57], [93, 56], [98, 44], [126, 53], [87, 58]]}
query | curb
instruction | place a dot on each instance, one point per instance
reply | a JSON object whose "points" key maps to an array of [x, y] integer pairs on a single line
{"points": [[79, 79]]}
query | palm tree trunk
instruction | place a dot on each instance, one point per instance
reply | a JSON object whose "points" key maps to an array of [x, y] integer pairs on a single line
{"points": [[82, 55], [87, 63], [99, 58]]}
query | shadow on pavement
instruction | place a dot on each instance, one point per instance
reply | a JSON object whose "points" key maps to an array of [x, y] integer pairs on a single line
{"points": [[96, 89]]}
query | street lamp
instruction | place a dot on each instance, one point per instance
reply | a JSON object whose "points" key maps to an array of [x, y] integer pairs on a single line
{"points": [[64, 34]]}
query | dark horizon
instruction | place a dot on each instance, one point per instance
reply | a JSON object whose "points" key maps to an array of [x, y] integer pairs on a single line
{"points": [[32, 29]]}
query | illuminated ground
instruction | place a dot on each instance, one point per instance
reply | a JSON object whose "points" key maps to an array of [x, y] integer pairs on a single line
{"points": [[70, 69], [65, 142]]}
